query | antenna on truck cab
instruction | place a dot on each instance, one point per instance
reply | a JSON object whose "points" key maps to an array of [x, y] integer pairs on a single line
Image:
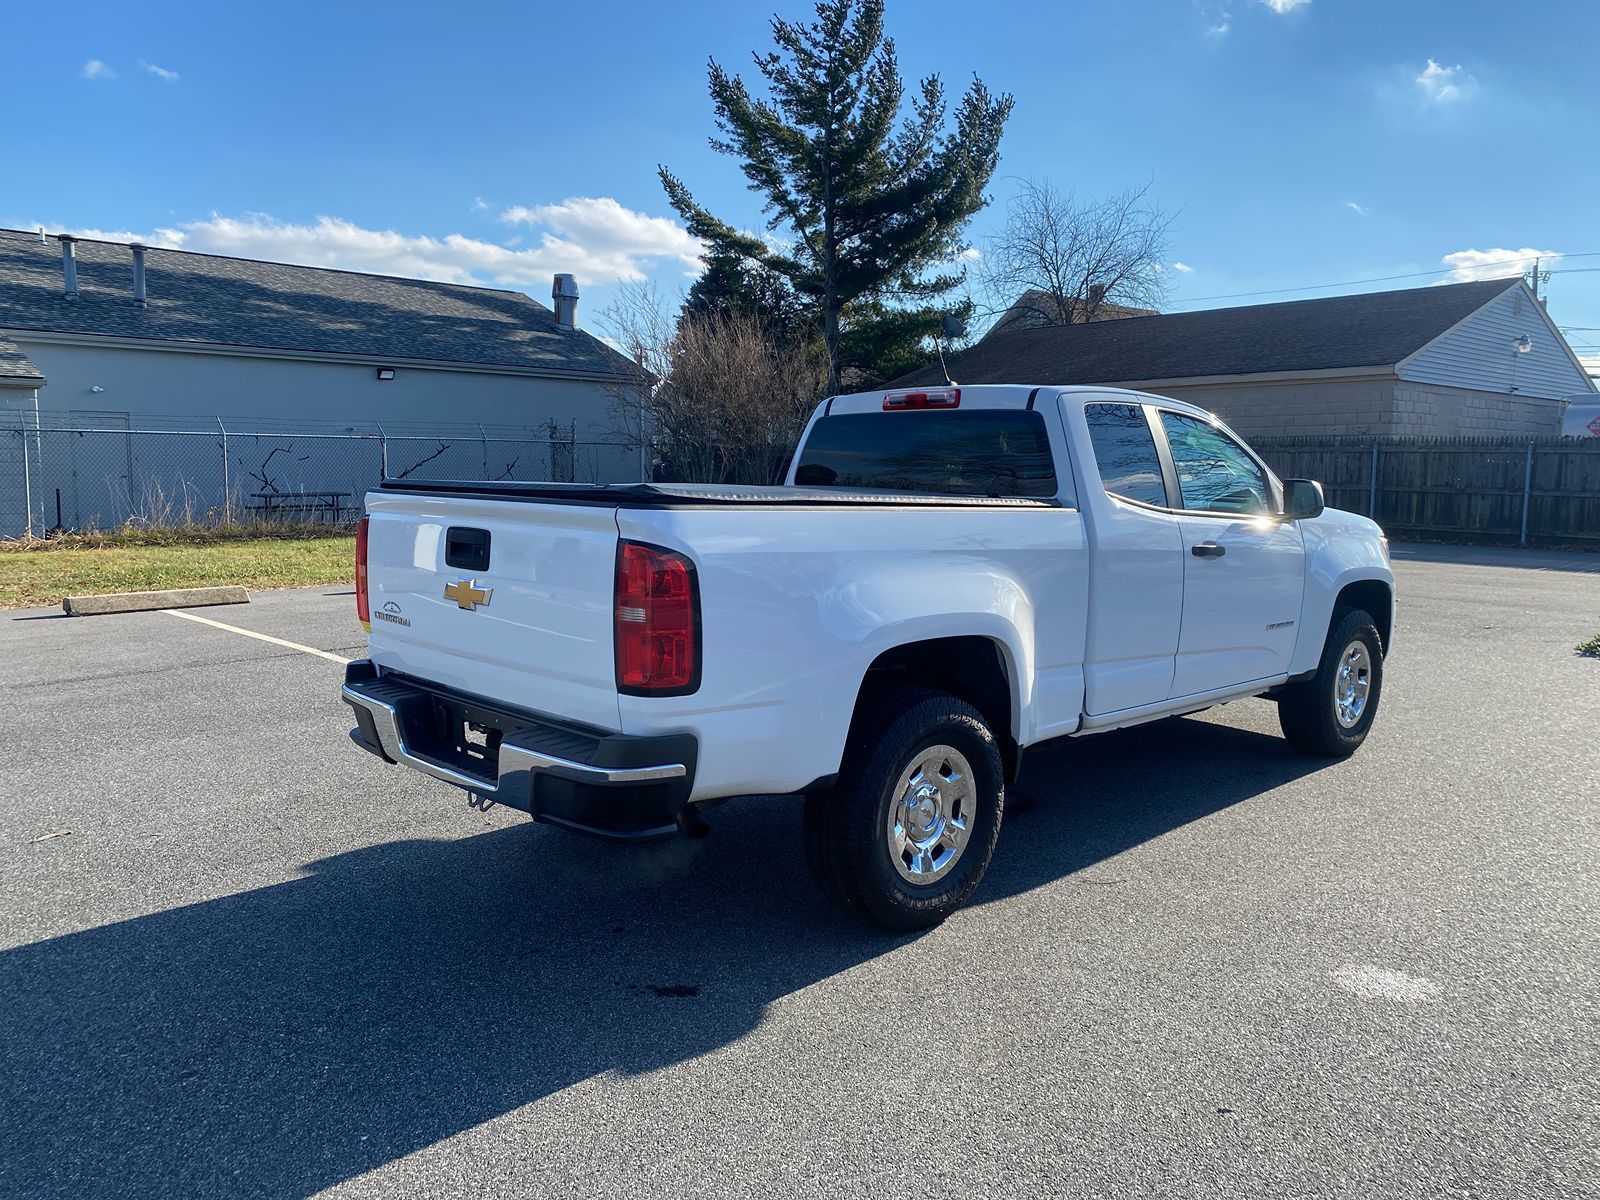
{"points": [[951, 328]]}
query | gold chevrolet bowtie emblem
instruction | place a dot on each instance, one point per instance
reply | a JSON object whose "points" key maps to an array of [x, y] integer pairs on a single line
{"points": [[466, 595]]}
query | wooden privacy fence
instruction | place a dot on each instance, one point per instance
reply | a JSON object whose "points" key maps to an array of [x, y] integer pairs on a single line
{"points": [[1535, 491]]}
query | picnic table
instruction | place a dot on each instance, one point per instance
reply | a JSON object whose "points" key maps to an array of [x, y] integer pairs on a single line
{"points": [[315, 506]]}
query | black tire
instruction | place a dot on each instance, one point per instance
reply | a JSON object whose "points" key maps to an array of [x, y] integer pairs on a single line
{"points": [[847, 828], [1307, 711]]}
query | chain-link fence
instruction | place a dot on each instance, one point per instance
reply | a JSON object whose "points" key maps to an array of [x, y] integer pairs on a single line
{"points": [[110, 473]]}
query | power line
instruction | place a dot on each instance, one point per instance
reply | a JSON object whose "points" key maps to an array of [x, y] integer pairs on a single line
{"points": [[1316, 287]]}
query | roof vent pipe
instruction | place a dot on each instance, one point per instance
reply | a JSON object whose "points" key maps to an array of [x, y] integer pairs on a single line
{"points": [[138, 274], [565, 294], [69, 265]]}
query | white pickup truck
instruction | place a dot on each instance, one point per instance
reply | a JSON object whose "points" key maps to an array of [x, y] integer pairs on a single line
{"points": [[948, 577]]}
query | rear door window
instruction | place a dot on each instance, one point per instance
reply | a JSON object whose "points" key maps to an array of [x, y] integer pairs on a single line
{"points": [[976, 452], [1126, 452]]}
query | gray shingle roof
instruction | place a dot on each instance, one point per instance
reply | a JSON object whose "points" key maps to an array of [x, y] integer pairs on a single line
{"points": [[1376, 329], [207, 298], [15, 365], [1034, 309]]}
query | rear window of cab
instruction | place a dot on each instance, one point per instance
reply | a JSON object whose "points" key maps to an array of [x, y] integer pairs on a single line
{"points": [[977, 452]]}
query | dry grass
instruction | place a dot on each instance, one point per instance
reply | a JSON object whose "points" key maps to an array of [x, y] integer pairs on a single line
{"points": [[191, 534], [41, 571]]}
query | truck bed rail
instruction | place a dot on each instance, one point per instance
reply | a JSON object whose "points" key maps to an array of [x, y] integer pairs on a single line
{"points": [[695, 495]]}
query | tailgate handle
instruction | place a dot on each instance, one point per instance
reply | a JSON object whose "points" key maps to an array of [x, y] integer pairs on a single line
{"points": [[466, 549]]}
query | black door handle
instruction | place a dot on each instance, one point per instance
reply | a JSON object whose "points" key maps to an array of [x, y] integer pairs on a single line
{"points": [[1207, 550]]}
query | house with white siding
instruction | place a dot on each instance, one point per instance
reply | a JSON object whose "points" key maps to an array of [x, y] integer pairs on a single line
{"points": [[1454, 359], [102, 342], [125, 331]]}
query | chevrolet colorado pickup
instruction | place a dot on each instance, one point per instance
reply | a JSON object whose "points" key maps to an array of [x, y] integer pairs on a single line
{"points": [[948, 577]]}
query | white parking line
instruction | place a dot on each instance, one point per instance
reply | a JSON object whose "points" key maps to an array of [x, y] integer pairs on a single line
{"points": [[1381, 983], [260, 637]]}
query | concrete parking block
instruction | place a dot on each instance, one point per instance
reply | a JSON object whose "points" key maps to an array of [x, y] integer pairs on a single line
{"points": [[126, 602]]}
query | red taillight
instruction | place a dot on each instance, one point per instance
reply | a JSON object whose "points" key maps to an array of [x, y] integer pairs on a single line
{"points": [[657, 621], [363, 608], [944, 398]]}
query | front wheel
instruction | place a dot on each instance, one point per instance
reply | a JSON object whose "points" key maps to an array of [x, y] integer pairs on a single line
{"points": [[908, 832], [1330, 714]]}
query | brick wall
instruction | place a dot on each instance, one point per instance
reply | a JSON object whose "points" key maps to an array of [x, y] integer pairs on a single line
{"points": [[1379, 407], [1298, 407], [1436, 410]]}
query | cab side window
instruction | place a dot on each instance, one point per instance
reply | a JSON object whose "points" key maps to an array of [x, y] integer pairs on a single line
{"points": [[1126, 453], [1215, 473]]}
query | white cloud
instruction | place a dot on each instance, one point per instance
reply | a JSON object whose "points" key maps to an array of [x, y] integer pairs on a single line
{"points": [[1591, 364], [1468, 265], [479, 204], [1286, 6], [772, 239], [95, 69], [1360, 210], [1183, 268], [612, 236], [1445, 85], [1220, 29], [160, 73], [595, 238], [970, 254]]}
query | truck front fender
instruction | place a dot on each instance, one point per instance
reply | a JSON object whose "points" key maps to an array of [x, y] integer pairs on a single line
{"points": [[1341, 548]]}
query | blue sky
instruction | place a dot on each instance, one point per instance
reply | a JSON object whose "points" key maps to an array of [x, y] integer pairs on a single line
{"points": [[1305, 141]]}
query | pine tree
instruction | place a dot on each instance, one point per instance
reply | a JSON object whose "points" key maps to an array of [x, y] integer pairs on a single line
{"points": [[869, 206], [879, 342], [732, 284]]}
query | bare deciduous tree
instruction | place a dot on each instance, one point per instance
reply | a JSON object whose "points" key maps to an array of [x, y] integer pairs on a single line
{"points": [[1058, 261], [728, 397]]}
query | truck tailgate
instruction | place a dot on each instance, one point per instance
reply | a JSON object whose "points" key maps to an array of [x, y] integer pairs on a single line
{"points": [[531, 628]]}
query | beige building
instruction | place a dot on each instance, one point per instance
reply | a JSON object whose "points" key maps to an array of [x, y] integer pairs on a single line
{"points": [[1466, 358]]}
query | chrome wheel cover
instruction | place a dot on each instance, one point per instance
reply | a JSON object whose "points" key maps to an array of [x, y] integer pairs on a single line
{"points": [[1352, 684], [931, 814]]}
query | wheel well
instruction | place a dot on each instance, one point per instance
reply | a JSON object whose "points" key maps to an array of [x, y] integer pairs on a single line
{"points": [[970, 668], [1373, 597]]}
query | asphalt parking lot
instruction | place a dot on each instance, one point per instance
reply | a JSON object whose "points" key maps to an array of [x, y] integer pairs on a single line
{"points": [[240, 957]]}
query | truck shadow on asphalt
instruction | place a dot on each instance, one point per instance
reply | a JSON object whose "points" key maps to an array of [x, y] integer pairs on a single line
{"points": [[288, 1038]]}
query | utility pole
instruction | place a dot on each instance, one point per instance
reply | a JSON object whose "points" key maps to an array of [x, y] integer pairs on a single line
{"points": [[1539, 276]]}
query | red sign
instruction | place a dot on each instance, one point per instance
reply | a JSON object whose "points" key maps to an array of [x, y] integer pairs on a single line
{"points": [[1594, 427]]}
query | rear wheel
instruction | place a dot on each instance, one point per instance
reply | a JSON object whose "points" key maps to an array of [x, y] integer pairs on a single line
{"points": [[907, 834], [1330, 714]]}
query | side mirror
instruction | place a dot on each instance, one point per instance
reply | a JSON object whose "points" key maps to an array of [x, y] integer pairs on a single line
{"points": [[1301, 498]]}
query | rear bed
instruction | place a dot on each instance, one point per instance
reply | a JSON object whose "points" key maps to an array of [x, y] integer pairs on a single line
{"points": [[530, 570]]}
